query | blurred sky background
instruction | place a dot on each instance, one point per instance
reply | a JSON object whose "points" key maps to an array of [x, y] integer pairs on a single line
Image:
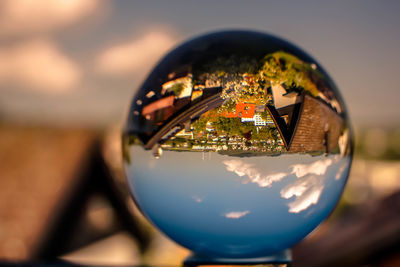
{"points": [[79, 62], [69, 68]]}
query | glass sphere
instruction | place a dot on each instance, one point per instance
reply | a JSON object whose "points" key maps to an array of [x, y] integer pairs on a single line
{"points": [[237, 145]]}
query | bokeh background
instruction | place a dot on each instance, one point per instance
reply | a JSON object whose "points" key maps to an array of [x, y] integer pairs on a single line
{"points": [[68, 70]]}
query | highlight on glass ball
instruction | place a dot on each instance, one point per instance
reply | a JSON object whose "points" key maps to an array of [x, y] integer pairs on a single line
{"points": [[237, 145]]}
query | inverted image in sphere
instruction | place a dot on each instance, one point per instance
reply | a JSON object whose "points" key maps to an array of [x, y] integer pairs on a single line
{"points": [[237, 145]]}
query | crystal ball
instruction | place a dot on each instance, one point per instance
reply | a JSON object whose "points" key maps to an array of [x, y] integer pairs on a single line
{"points": [[237, 145]]}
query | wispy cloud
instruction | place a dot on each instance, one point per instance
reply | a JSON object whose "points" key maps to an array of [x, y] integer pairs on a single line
{"points": [[197, 199], [30, 16], [236, 214], [135, 55], [252, 174], [306, 191], [308, 188], [318, 168], [39, 65]]}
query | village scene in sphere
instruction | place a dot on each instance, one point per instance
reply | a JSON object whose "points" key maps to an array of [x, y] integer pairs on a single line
{"points": [[240, 106]]}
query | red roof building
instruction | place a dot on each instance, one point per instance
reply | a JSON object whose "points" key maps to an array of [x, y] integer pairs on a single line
{"points": [[243, 110]]}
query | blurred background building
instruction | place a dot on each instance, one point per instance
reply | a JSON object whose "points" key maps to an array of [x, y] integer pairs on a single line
{"points": [[68, 70]]}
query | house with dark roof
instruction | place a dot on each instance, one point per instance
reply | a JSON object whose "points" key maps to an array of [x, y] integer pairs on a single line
{"points": [[164, 105], [314, 126], [318, 128]]}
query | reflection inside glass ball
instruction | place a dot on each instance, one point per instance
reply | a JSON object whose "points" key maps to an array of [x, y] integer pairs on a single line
{"points": [[237, 145]]}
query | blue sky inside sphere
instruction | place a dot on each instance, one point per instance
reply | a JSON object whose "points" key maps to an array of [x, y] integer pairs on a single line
{"points": [[229, 205]]}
